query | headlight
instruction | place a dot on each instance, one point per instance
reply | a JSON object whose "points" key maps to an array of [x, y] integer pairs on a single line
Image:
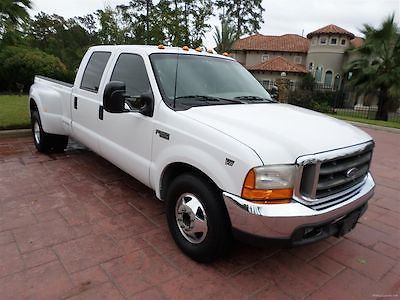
{"points": [[269, 184]]}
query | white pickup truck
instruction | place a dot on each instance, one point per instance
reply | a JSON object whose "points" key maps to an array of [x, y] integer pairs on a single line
{"points": [[199, 130]]}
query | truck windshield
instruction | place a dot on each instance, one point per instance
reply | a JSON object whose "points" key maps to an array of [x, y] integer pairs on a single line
{"points": [[197, 80]]}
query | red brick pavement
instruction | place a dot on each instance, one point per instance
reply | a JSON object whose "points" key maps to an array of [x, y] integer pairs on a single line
{"points": [[74, 226]]}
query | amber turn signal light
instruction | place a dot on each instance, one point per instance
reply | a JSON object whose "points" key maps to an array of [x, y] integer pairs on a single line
{"points": [[262, 196]]}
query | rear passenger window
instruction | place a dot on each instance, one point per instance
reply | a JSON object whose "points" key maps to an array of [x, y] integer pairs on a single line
{"points": [[131, 70], [94, 71]]}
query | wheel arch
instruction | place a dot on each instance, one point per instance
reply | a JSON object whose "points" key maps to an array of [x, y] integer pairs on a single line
{"points": [[172, 170], [33, 105]]}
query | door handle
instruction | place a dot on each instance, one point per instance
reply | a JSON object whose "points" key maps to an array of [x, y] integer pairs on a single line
{"points": [[76, 102], [101, 112]]}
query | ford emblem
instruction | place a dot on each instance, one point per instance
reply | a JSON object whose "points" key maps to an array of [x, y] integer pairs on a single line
{"points": [[351, 172]]}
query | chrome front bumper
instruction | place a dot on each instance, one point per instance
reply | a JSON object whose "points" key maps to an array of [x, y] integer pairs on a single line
{"points": [[279, 221]]}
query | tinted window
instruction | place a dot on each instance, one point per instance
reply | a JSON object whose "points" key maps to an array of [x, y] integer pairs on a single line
{"points": [[202, 75], [131, 70], [94, 71]]}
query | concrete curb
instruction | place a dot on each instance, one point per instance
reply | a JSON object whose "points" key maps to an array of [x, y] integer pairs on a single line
{"points": [[15, 133], [376, 127]]}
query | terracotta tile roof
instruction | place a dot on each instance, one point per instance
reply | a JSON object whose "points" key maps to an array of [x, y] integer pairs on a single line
{"points": [[357, 42], [331, 29], [278, 64], [283, 43]]}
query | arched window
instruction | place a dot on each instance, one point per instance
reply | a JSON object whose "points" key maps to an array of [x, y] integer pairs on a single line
{"points": [[318, 74], [328, 78]]}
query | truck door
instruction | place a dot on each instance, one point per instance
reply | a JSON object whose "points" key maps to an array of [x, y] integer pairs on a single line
{"points": [[86, 99], [127, 137]]}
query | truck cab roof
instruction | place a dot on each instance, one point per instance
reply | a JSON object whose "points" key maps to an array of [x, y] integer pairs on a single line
{"points": [[150, 49]]}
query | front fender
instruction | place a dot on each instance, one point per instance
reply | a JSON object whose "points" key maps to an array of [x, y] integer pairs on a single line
{"points": [[226, 177]]}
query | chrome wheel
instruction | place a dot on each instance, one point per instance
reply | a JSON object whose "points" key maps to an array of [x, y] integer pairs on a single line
{"points": [[36, 132], [191, 218]]}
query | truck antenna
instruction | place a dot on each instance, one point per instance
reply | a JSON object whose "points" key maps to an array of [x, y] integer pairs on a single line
{"points": [[176, 76]]}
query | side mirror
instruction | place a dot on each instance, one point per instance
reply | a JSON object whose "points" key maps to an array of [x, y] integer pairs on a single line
{"points": [[143, 104], [114, 97], [148, 104]]}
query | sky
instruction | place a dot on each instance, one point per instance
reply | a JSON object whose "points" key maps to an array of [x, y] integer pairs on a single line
{"points": [[281, 16]]}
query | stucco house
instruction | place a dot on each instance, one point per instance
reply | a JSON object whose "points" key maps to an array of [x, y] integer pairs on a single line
{"points": [[322, 53]]}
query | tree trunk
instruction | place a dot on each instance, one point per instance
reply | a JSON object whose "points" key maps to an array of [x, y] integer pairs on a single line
{"points": [[383, 103], [147, 22], [238, 19]]}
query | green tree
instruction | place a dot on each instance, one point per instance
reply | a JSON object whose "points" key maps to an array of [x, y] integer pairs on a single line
{"points": [[14, 11], [199, 13], [12, 15], [182, 22], [143, 11], [224, 37], [88, 22], [138, 21], [246, 15], [110, 31], [376, 69], [18, 66], [66, 39]]}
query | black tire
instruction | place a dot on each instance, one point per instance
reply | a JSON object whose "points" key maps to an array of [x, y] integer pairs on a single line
{"points": [[217, 240], [46, 142]]}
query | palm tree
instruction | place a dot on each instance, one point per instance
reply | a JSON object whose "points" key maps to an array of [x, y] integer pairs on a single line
{"points": [[224, 38], [12, 13], [376, 69], [14, 10]]}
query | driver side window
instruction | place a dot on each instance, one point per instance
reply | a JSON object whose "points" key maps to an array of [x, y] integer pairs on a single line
{"points": [[131, 70]]}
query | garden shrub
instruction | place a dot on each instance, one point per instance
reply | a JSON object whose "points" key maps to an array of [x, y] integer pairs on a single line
{"points": [[18, 66]]}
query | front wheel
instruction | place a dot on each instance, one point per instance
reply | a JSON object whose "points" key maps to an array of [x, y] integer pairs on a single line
{"points": [[46, 142], [197, 218]]}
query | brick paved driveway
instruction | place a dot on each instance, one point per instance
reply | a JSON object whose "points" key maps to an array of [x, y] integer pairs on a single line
{"points": [[74, 226]]}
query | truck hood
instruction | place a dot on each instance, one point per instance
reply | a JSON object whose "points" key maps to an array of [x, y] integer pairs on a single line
{"points": [[279, 133]]}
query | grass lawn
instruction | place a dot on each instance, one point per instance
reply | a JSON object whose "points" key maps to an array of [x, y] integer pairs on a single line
{"points": [[14, 112], [368, 121]]}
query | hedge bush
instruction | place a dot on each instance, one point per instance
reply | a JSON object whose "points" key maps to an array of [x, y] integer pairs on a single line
{"points": [[18, 66], [321, 101]]}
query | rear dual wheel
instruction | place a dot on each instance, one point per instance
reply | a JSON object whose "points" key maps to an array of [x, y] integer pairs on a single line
{"points": [[46, 142]]}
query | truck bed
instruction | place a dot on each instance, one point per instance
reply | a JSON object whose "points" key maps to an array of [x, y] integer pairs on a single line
{"points": [[66, 84]]}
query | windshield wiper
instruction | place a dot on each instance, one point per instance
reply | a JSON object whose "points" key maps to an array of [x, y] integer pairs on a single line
{"points": [[255, 98], [208, 98]]}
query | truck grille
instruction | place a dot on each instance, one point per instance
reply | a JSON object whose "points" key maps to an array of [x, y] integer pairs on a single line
{"points": [[329, 178]]}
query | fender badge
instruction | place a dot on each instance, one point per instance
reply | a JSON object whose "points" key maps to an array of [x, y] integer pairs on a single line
{"points": [[162, 134], [229, 162]]}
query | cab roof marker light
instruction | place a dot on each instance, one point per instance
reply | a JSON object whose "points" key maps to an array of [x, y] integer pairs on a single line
{"points": [[199, 49], [185, 48], [161, 46]]}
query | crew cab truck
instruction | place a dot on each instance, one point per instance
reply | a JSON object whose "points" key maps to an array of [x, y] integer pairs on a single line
{"points": [[199, 130]]}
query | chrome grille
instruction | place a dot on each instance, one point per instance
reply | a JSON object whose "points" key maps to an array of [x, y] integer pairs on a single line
{"points": [[329, 178], [334, 175]]}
